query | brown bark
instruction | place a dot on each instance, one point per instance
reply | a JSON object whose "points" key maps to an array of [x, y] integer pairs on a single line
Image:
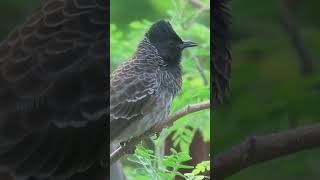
{"points": [[258, 149]]}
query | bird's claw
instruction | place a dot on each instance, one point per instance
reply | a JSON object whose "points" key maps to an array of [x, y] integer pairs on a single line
{"points": [[128, 149]]}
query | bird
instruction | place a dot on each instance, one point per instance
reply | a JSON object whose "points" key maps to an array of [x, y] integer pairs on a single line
{"points": [[53, 96], [143, 87], [221, 59]]}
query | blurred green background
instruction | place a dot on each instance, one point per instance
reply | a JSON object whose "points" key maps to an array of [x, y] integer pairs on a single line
{"points": [[269, 92]]}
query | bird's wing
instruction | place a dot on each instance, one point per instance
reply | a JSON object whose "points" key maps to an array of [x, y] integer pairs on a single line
{"points": [[133, 93], [52, 90]]}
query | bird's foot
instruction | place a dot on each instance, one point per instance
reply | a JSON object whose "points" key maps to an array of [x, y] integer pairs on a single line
{"points": [[130, 145], [128, 148]]}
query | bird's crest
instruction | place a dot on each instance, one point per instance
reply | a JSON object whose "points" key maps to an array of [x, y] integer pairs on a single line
{"points": [[162, 29]]}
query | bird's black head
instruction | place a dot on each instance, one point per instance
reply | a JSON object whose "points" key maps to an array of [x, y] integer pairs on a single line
{"points": [[167, 42]]}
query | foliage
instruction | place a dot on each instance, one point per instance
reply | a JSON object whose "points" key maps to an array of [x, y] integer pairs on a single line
{"points": [[148, 162], [146, 158], [200, 168], [174, 162]]}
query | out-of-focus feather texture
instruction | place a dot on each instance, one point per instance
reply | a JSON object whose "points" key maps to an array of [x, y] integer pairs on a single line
{"points": [[53, 72], [221, 58]]}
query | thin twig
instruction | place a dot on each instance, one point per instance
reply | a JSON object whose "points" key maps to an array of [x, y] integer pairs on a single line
{"points": [[201, 8], [191, 108], [290, 26], [201, 71], [116, 155], [198, 4]]}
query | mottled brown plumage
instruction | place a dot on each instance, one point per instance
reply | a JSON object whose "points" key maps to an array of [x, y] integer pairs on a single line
{"points": [[52, 90]]}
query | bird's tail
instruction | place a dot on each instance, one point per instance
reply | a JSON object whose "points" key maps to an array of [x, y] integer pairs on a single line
{"points": [[116, 170]]}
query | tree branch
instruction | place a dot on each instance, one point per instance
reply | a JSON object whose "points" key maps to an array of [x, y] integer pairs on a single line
{"points": [[117, 154], [258, 149], [198, 4], [201, 71], [290, 26]]}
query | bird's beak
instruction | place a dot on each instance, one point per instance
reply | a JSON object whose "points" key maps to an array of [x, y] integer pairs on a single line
{"points": [[187, 44]]}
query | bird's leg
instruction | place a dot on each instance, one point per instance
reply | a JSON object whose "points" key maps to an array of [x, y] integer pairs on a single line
{"points": [[128, 146]]}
